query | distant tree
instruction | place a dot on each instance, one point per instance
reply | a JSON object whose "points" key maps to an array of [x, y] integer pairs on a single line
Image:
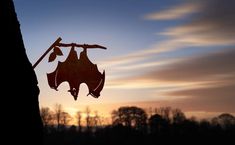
{"points": [[149, 111], [157, 123], [79, 120], [46, 115], [115, 117], [225, 120], [104, 120], [215, 122], [130, 116], [193, 119], [58, 109], [205, 125], [96, 119], [88, 118], [164, 112], [178, 116], [65, 118]]}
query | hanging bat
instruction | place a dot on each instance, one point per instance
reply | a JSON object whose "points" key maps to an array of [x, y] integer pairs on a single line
{"points": [[76, 71]]}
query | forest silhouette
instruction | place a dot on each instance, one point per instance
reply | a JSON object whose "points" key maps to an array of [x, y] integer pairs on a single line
{"points": [[134, 125]]}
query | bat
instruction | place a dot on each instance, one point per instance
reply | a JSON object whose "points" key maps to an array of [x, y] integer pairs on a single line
{"points": [[75, 71]]}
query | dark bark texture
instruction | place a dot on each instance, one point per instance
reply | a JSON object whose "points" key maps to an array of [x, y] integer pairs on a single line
{"points": [[20, 91]]}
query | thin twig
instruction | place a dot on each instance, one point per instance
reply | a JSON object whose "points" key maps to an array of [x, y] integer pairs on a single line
{"points": [[81, 45], [48, 50]]}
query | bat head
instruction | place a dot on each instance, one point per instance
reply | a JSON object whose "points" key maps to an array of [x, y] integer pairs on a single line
{"points": [[95, 94], [74, 93]]}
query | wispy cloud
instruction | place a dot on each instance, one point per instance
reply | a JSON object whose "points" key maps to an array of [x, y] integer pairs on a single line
{"points": [[209, 67], [207, 80], [175, 12], [216, 67], [213, 25], [202, 81], [145, 53]]}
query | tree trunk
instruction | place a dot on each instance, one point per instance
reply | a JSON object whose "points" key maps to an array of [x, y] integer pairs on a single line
{"points": [[19, 84]]}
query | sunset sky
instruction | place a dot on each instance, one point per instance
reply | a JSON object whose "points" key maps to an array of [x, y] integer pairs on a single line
{"points": [[178, 53]]}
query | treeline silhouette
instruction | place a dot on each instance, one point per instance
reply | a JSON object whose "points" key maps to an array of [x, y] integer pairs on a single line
{"points": [[134, 125]]}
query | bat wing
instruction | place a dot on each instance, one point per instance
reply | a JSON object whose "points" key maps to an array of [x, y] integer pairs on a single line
{"points": [[91, 75]]}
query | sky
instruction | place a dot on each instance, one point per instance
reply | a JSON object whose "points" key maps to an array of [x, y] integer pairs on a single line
{"points": [[178, 53]]}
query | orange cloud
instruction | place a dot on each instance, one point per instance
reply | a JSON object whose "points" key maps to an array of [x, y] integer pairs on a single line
{"points": [[207, 81], [214, 66]]}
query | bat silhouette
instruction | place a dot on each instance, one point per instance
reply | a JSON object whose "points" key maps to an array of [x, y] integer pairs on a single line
{"points": [[76, 71]]}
